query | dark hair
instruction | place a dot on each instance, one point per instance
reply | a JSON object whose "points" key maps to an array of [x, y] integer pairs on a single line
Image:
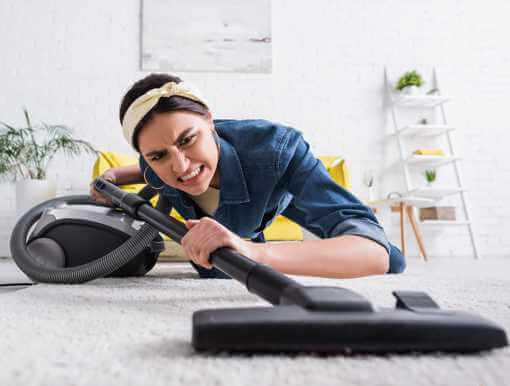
{"points": [[164, 105]]}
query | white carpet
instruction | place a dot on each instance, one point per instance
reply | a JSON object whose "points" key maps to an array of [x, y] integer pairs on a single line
{"points": [[138, 331]]}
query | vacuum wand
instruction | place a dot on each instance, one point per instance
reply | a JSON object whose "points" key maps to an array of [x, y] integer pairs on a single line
{"points": [[239, 267], [314, 318]]}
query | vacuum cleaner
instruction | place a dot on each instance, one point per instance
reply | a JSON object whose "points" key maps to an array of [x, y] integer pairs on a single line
{"points": [[302, 319]]}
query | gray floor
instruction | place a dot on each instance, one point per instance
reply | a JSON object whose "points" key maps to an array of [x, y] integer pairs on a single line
{"points": [[10, 274], [137, 331]]}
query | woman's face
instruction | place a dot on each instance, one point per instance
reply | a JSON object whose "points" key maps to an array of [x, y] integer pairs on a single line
{"points": [[180, 148]]}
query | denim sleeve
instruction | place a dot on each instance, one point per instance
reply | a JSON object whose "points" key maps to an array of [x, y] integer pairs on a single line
{"points": [[319, 204]]}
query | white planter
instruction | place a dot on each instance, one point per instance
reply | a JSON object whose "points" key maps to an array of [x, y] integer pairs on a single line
{"points": [[410, 90], [371, 194], [30, 193]]}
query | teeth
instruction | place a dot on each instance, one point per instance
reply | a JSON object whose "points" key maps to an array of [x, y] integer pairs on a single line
{"points": [[191, 175]]}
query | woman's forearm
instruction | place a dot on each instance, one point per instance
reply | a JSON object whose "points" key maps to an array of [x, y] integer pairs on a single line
{"points": [[345, 256], [125, 175]]}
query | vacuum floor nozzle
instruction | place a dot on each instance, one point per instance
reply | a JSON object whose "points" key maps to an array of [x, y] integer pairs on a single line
{"points": [[296, 329]]}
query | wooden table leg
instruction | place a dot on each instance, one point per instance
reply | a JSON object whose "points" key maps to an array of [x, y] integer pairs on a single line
{"points": [[402, 234], [417, 231]]}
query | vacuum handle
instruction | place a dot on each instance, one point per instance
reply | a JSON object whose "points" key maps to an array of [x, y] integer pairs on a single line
{"points": [[258, 278]]}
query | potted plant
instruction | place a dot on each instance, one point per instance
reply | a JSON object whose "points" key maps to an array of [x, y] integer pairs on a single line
{"points": [[409, 82], [368, 180], [430, 176], [25, 153]]}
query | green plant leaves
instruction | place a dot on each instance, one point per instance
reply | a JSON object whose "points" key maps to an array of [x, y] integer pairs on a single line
{"points": [[430, 175], [25, 111], [26, 152], [410, 78]]}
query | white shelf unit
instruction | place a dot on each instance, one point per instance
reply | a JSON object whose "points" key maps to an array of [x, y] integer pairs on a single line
{"points": [[429, 161], [427, 196], [418, 100], [444, 222], [434, 193], [418, 202], [422, 130]]}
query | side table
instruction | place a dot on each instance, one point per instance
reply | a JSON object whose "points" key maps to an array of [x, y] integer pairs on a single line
{"points": [[403, 206]]}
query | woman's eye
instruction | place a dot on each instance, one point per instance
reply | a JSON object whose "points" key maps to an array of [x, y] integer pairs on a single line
{"points": [[156, 157], [187, 140]]}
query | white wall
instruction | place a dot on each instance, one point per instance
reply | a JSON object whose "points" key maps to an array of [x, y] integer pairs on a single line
{"points": [[71, 61]]}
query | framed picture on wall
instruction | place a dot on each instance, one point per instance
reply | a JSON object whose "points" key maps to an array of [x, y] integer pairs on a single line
{"points": [[206, 36]]}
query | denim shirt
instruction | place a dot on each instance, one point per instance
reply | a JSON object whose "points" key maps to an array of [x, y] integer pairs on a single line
{"points": [[267, 169]]}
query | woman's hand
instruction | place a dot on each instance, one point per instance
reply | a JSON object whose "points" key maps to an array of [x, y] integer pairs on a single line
{"points": [[108, 175], [206, 235]]}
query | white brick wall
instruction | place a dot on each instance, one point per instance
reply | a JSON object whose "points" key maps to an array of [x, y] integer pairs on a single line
{"points": [[70, 62]]}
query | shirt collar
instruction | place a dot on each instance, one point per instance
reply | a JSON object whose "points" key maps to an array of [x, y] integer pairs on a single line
{"points": [[233, 189]]}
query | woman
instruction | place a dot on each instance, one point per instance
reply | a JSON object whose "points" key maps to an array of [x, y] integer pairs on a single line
{"points": [[231, 178]]}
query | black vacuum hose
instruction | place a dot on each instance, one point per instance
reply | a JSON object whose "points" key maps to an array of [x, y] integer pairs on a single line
{"points": [[81, 273]]}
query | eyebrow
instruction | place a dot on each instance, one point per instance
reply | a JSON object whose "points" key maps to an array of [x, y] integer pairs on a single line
{"points": [[179, 138]]}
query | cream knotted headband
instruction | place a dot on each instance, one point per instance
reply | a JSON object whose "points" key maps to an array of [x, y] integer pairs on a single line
{"points": [[144, 103]]}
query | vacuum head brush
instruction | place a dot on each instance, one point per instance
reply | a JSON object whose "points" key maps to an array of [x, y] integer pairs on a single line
{"points": [[291, 328]]}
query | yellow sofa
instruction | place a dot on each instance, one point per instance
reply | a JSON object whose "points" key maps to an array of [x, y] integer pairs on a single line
{"points": [[281, 229]]}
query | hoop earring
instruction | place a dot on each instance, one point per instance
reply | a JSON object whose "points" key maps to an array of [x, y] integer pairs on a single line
{"points": [[216, 139], [147, 182]]}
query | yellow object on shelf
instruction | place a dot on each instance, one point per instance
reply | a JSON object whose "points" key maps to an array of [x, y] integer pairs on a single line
{"points": [[429, 152], [282, 228]]}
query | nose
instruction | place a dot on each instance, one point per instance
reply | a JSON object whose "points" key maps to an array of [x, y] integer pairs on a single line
{"points": [[180, 162]]}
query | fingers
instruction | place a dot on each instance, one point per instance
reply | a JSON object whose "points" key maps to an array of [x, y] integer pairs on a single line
{"points": [[108, 175], [202, 252], [194, 238], [191, 223], [204, 237], [98, 197]]}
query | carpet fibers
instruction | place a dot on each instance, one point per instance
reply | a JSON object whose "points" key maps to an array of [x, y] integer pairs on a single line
{"points": [[137, 331]]}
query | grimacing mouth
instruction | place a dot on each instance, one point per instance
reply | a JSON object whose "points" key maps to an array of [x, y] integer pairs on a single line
{"points": [[201, 168]]}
